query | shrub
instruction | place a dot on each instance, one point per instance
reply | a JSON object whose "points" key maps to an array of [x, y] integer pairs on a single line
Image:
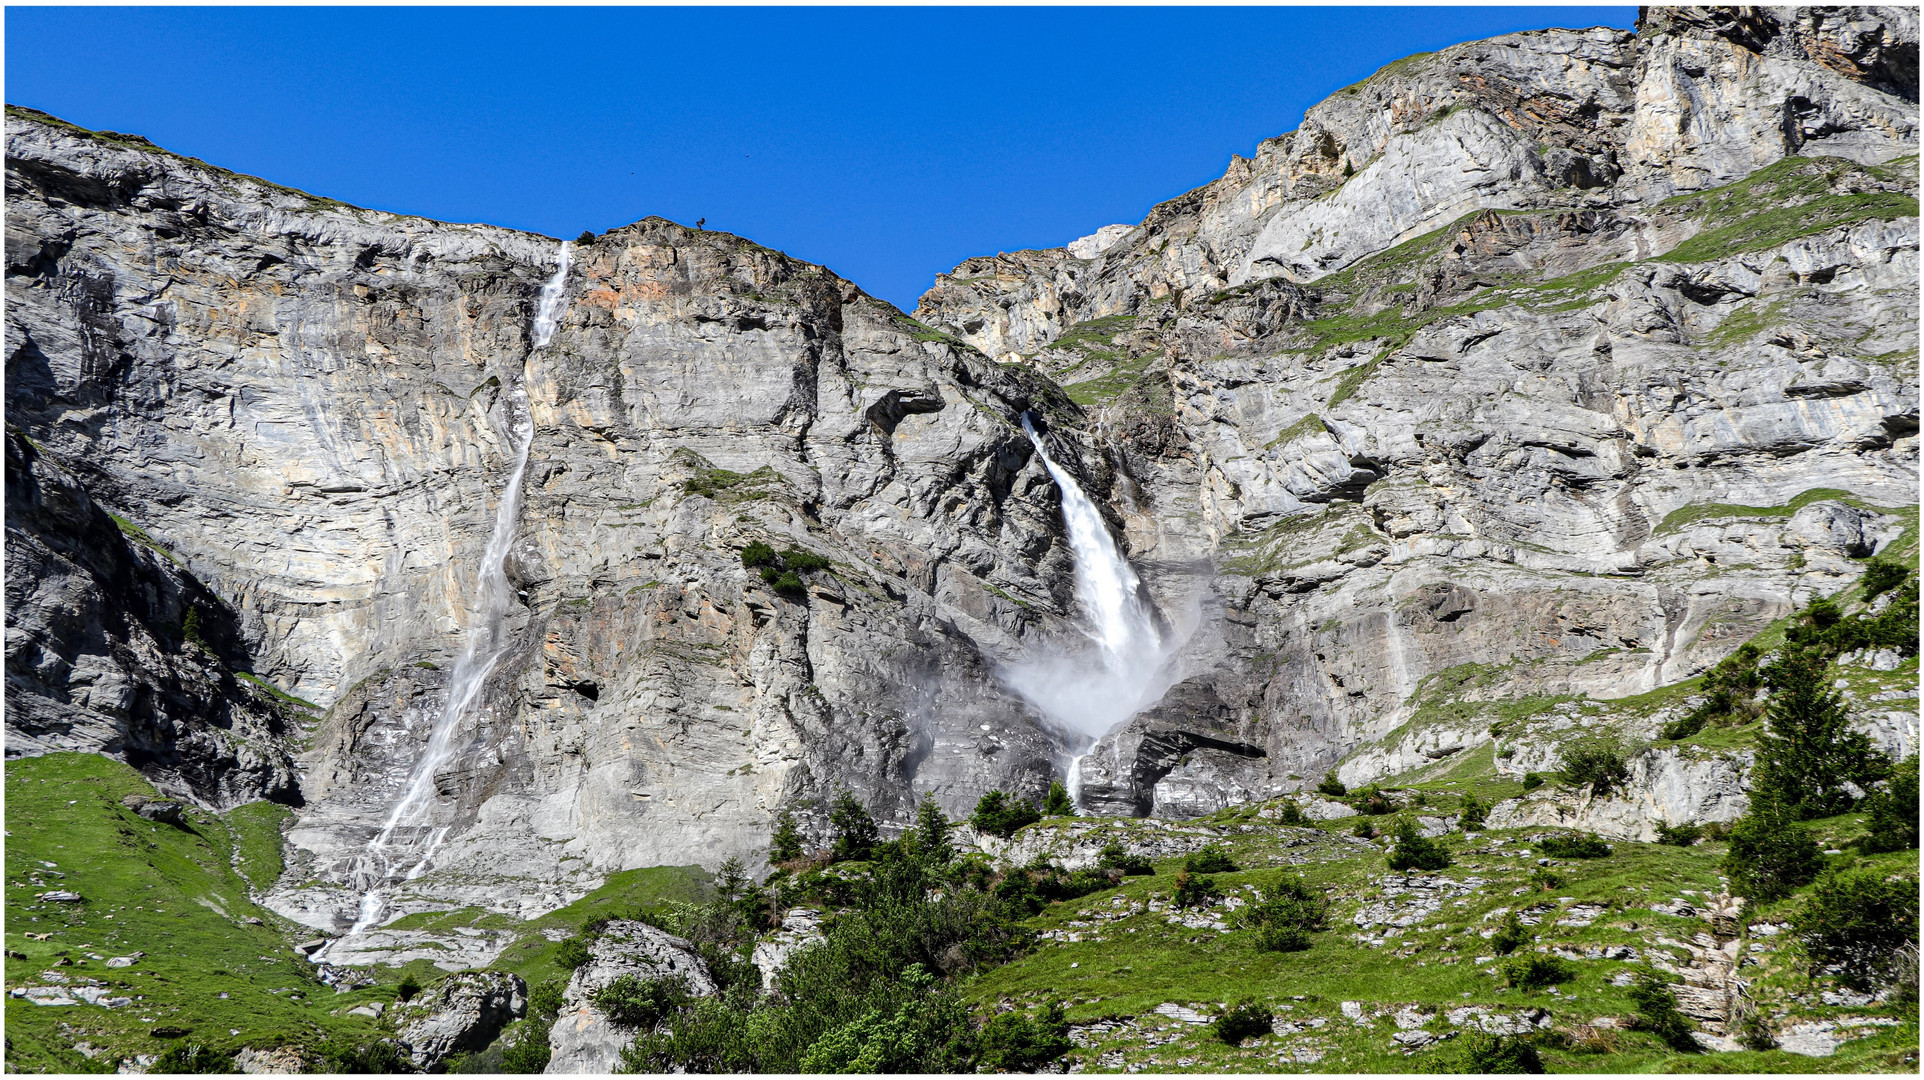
{"points": [[529, 1054], [877, 993], [1371, 800], [1001, 815], [545, 999], [1473, 814], [376, 1058], [1291, 814], [1600, 765], [1210, 860], [1753, 1032], [924, 1034], [1015, 1042], [586, 237], [1892, 812], [1114, 857], [1332, 786], [855, 831], [1194, 890], [1730, 695], [1035, 885], [1243, 1020], [787, 844], [788, 583], [1857, 923], [1058, 803], [1284, 920], [572, 952], [1532, 781], [409, 986], [1678, 835], [1657, 1012], [1486, 1054], [1808, 750], [1534, 971], [1510, 936], [758, 554], [1881, 577], [633, 1002], [803, 562], [1413, 851], [1582, 846], [1769, 854], [186, 1057]]}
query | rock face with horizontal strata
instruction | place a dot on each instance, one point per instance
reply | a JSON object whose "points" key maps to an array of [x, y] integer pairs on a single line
{"points": [[1575, 432], [305, 403]]}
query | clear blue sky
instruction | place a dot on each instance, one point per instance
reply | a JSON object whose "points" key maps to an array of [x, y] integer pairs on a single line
{"points": [[886, 143]]}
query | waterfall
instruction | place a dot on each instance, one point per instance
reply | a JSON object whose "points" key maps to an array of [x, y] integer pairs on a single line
{"points": [[487, 643], [1083, 701]]}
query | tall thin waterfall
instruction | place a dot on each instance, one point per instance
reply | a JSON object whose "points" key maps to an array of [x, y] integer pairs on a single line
{"points": [[1084, 701], [487, 643]]}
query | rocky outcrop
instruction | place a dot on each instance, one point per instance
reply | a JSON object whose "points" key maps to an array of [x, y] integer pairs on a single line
{"points": [[1666, 786], [1553, 118], [113, 647], [584, 1039], [800, 928], [462, 1012]]}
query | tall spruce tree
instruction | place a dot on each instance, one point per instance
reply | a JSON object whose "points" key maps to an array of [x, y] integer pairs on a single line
{"points": [[1808, 750], [855, 831], [787, 843]]}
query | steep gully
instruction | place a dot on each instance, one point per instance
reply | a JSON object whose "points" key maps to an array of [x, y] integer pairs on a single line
{"points": [[487, 643]]}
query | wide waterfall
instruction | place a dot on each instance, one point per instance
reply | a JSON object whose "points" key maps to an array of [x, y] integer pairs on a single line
{"points": [[1085, 697], [487, 643]]}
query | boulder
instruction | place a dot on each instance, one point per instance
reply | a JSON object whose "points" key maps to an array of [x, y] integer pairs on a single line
{"points": [[464, 1011], [800, 928], [166, 811], [584, 1039]]}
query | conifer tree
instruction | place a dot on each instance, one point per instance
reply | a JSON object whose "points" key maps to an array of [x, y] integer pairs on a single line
{"points": [[1058, 804], [787, 843], [1808, 750], [855, 831]]}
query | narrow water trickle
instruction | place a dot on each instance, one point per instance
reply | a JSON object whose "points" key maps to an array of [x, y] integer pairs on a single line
{"points": [[487, 642], [1085, 698]]}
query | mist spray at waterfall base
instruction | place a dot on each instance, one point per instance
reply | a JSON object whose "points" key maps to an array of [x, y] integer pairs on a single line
{"points": [[1125, 666], [487, 643]]}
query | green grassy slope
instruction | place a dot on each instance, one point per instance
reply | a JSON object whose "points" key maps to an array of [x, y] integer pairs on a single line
{"points": [[1125, 967], [178, 894]]}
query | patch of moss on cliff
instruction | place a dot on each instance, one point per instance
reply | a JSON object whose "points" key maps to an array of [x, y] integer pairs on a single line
{"points": [[1122, 377], [1301, 429], [1684, 516], [724, 485]]}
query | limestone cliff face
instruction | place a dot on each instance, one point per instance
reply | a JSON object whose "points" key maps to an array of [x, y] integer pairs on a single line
{"points": [[1570, 359], [1571, 119], [306, 404]]}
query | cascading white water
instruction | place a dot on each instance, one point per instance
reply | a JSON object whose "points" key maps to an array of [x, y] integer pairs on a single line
{"points": [[487, 643], [1084, 701]]}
